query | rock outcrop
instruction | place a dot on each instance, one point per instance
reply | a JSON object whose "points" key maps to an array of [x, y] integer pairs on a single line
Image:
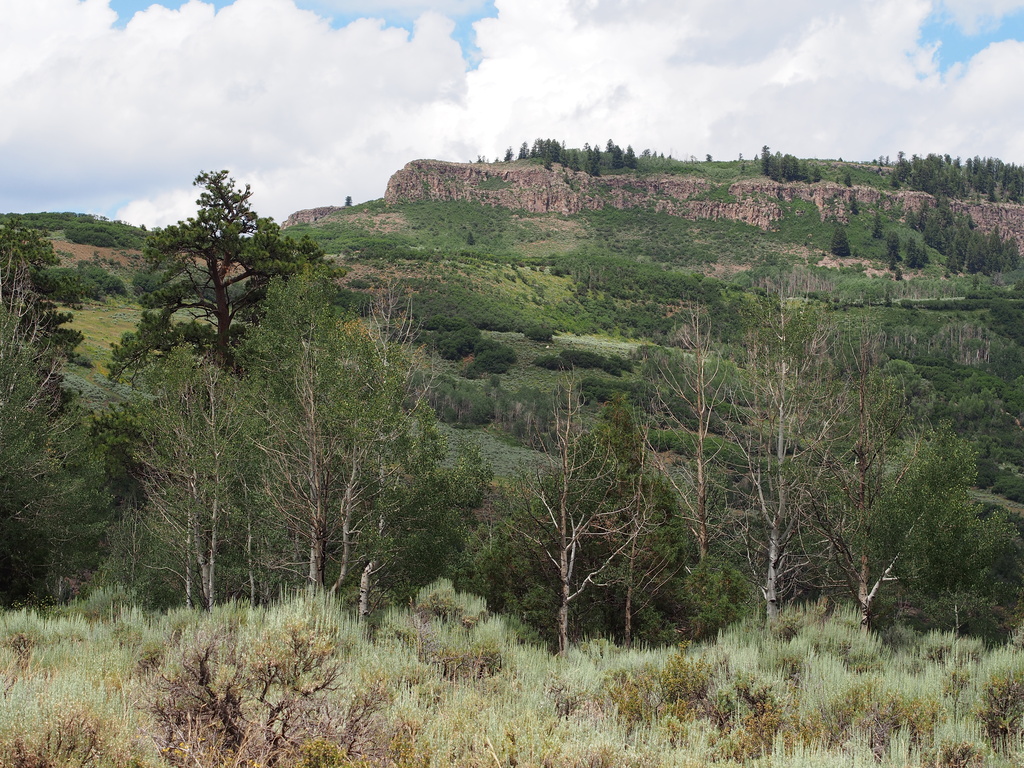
{"points": [[310, 215], [533, 188]]}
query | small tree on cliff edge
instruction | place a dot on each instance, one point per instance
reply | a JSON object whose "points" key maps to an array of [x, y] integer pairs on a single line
{"points": [[215, 266]]}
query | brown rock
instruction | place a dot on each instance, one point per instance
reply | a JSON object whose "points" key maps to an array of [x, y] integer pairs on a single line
{"points": [[309, 215]]}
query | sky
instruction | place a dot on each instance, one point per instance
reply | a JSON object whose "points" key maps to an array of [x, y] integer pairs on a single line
{"points": [[113, 107]]}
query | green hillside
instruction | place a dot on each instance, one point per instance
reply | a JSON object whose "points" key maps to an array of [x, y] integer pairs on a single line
{"points": [[507, 306], [625, 274]]}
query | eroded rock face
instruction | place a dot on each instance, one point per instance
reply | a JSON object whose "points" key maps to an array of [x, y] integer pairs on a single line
{"points": [[310, 215], [533, 188], [1008, 218]]}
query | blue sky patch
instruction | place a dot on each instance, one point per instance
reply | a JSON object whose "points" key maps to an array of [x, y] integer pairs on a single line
{"points": [[958, 47]]}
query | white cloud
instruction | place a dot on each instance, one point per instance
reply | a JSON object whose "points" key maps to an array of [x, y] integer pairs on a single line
{"points": [[259, 87], [103, 119], [982, 107], [714, 77]]}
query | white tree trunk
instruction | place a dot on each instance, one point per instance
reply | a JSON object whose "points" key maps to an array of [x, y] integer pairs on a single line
{"points": [[365, 586]]}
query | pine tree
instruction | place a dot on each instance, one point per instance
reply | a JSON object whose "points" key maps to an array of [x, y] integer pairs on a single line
{"points": [[892, 249], [217, 266], [840, 243], [876, 226], [917, 257]]}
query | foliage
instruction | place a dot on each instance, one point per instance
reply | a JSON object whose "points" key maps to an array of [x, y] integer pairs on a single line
{"points": [[84, 281], [190, 458], [216, 267], [717, 595], [455, 338], [85, 228], [570, 359], [487, 287], [50, 492], [28, 286], [943, 176]]}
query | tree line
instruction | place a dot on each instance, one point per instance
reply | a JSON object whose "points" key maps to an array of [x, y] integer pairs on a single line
{"points": [[84, 228], [591, 159], [945, 176]]}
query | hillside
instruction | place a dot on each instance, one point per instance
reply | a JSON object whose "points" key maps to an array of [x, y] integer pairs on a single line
{"points": [[520, 275], [512, 246]]}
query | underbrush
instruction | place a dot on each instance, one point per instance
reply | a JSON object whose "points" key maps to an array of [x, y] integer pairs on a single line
{"points": [[445, 683]]}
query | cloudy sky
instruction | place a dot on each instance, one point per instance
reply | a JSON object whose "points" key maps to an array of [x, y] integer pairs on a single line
{"points": [[113, 106]]}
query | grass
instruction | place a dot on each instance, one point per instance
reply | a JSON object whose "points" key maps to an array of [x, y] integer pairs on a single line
{"points": [[505, 456], [103, 325], [444, 683]]}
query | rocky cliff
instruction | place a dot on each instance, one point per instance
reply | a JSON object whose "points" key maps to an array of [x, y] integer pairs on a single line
{"points": [[530, 187], [533, 188]]}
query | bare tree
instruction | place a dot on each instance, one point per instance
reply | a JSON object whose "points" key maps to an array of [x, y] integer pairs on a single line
{"points": [[189, 472], [697, 382], [572, 508], [789, 409]]}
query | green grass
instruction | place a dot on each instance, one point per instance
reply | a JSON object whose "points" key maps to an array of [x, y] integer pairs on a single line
{"points": [[103, 325]]}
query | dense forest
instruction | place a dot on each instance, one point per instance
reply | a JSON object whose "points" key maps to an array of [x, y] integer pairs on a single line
{"points": [[573, 420]]}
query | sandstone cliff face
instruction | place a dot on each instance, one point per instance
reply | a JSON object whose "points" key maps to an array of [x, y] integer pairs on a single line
{"points": [[532, 188]]}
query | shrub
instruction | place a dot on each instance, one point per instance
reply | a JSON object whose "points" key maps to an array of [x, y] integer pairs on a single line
{"points": [[258, 699], [73, 736], [717, 595], [99, 282], [550, 362], [457, 343], [750, 715], [600, 390], [491, 357], [456, 401], [959, 754], [146, 281], [637, 695], [1002, 705], [685, 682], [539, 333], [320, 753]]}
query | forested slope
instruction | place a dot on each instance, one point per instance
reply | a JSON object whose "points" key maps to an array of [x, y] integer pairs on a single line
{"points": [[612, 392]]}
